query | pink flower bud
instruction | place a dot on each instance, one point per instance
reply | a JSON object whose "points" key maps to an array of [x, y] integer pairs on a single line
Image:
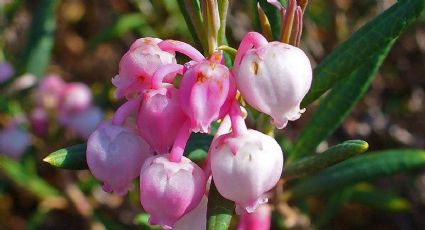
{"points": [[205, 91], [76, 97], [160, 117], [138, 65], [50, 91], [258, 220], [195, 219], [39, 121], [244, 167], [169, 190], [272, 77], [14, 141], [115, 155], [6, 71], [84, 122]]}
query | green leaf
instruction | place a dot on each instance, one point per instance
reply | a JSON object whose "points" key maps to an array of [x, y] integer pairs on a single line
{"points": [[362, 168], [383, 200], [220, 210], [273, 16], [197, 147], [337, 105], [375, 35], [123, 24], [73, 157], [192, 15], [142, 221], [41, 38], [333, 155], [29, 181]]}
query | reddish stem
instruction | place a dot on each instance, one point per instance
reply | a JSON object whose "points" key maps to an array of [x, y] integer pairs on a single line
{"points": [[182, 47], [124, 111], [180, 142], [251, 40], [163, 71], [238, 123]]}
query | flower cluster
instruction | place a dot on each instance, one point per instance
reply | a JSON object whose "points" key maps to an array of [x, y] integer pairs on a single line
{"points": [[71, 103], [147, 136]]}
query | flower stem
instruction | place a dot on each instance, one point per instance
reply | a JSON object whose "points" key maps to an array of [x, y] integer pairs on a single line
{"points": [[180, 142]]}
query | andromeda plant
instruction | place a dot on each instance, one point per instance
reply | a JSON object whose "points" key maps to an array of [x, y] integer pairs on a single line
{"points": [[172, 105]]}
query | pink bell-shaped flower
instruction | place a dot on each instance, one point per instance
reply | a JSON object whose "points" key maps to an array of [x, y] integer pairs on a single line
{"points": [[258, 220], [6, 71], [195, 219], [245, 164], [205, 92], [39, 120], [14, 141], [272, 77], [160, 117], [77, 97], [50, 91], [138, 65], [169, 190], [115, 155], [84, 122]]}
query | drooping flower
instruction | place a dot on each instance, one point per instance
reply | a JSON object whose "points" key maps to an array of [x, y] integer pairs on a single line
{"points": [[245, 166], [39, 120], [76, 97], [49, 91], [160, 117], [6, 71], [206, 91], [272, 77], [115, 155], [14, 141], [138, 65], [169, 190], [84, 122]]}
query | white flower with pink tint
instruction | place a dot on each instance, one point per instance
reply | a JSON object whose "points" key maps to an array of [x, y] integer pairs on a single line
{"points": [[272, 77], [169, 190], [115, 155]]}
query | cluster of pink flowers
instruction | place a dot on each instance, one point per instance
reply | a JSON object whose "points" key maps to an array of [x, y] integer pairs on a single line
{"points": [[71, 103], [148, 134]]}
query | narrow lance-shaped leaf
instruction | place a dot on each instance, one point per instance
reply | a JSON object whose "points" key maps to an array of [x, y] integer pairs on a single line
{"points": [[383, 200], [192, 15], [220, 210], [31, 182], [333, 155], [362, 168], [273, 16], [41, 38], [73, 157], [122, 24], [375, 35], [336, 106]]}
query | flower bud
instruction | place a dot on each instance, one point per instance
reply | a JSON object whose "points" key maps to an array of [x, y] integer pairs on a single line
{"points": [[77, 97], [169, 190], [115, 155], [14, 141], [160, 117], [49, 91], [39, 121], [138, 65], [6, 71], [245, 167], [274, 78], [204, 93], [84, 122]]}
